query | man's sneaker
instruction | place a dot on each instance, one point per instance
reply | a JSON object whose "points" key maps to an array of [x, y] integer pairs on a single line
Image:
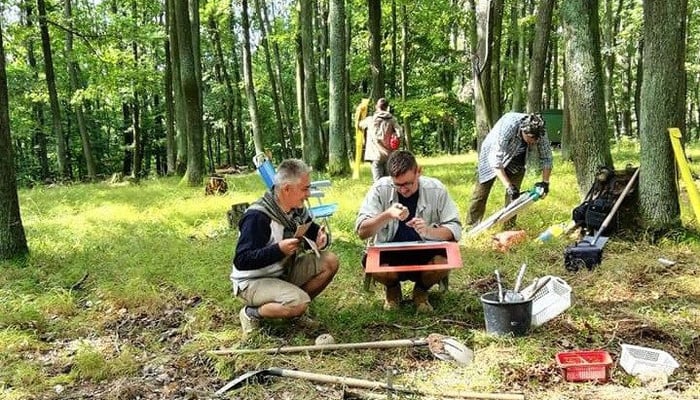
{"points": [[305, 322], [392, 299], [248, 324], [420, 299]]}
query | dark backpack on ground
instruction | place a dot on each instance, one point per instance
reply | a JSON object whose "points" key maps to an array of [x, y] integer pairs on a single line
{"points": [[600, 199]]}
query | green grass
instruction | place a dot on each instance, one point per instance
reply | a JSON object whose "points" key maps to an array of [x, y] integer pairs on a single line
{"points": [[126, 289]]}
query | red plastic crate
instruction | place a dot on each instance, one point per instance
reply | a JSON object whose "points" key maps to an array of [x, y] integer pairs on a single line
{"points": [[582, 365]]}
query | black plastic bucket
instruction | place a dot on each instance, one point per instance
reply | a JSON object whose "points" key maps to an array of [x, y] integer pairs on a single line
{"points": [[507, 317]]}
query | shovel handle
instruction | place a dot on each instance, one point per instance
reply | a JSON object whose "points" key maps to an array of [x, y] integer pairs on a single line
{"points": [[367, 384], [386, 344]]}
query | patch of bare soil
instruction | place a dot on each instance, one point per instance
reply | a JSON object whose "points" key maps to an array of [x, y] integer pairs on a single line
{"points": [[165, 372]]}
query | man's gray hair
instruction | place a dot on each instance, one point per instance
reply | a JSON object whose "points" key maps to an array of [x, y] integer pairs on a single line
{"points": [[290, 171]]}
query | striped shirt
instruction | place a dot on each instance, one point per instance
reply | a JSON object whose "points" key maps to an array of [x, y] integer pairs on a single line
{"points": [[501, 145]]}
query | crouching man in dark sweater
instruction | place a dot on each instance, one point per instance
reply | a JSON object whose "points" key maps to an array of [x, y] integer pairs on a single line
{"points": [[273, 273]]}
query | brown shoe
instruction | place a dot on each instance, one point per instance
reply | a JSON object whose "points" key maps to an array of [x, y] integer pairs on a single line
{"points": [[420, 299], [392, 298]]}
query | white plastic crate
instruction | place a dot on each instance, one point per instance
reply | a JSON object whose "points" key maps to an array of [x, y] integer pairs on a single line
{"points": [[636, 360], [550, 301]]}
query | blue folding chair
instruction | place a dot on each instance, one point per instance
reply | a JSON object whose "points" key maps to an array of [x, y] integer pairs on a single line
{"points": [[321, 210]]}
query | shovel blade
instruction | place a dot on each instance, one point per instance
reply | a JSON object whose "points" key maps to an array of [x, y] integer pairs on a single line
{"points": [[247, 378]]}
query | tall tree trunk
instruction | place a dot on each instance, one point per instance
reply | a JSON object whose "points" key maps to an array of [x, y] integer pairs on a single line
{"points": [[168, 79], [481, 68], [13, 242], [311, 151], [518, 12], [350, 108], [127, 140], [39, 137], [496, 26], [394, 49], [539, 53], [180, 114], [224, 79], [248, 77], [301, 104], [137, 145], [196, 48], [61, 152], [404, 73], [190, 89], [662, 107], [74, 87], [638, 86], [286, 117], [337, 152], [375, 47], [237, 100], [273, 82], [589, 138], [554, 46], [612, 25]]}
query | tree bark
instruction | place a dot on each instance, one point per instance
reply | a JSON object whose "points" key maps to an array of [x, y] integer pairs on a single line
{"points": [[224, 79], [662, 106], [286, 117], [13, 242], [496, 27], [39, 137], [190, 89], [274, 93], [74, 87], [481, 68], [589, 138], [168, 78], [61, 151], [236, 84], [248, 77], [539, 52], [518, 12], [375, 47], [404, 73], [180, 115], [338, 164], [312, 151]]}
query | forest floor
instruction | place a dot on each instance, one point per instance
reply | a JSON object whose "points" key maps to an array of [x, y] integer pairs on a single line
{"points": [[126, 292]]}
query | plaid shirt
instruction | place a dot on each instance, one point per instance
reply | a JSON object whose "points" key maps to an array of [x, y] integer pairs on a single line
{"points": [[501, 145]]}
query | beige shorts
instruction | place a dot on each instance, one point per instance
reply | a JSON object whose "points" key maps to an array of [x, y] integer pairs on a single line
{"points": [[285, 289]]}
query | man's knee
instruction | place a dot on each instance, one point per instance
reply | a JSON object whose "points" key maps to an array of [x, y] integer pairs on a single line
{"points": [[429, 278], [387, 278], [330, 263]]}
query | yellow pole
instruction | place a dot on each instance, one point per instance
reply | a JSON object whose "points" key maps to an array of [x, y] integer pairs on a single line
{"points": [[684, 169], [360, 114]]}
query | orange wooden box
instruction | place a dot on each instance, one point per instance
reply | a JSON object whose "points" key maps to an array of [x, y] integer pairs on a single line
{"points": [[375, 259]]}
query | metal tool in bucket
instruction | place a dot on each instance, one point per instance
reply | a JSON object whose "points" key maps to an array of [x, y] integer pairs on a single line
{"points": [[510, 311]]}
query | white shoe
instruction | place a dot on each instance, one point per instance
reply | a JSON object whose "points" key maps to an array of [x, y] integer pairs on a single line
{"points": [[248, 324]]}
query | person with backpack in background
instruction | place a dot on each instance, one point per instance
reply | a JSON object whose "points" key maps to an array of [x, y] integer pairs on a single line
{"points": [[504, 153], [383, 135]]}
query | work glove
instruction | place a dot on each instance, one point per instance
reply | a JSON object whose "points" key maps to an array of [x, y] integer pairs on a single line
{"points": [[542, 188], [512, 192]]}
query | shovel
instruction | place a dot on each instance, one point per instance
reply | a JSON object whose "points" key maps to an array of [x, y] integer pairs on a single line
{"points": [[506, 212], [589, 252], [443, 347], [257, 376]]}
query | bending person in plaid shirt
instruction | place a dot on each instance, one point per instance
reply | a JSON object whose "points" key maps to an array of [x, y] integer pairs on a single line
{"points": [[514, 139]]}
